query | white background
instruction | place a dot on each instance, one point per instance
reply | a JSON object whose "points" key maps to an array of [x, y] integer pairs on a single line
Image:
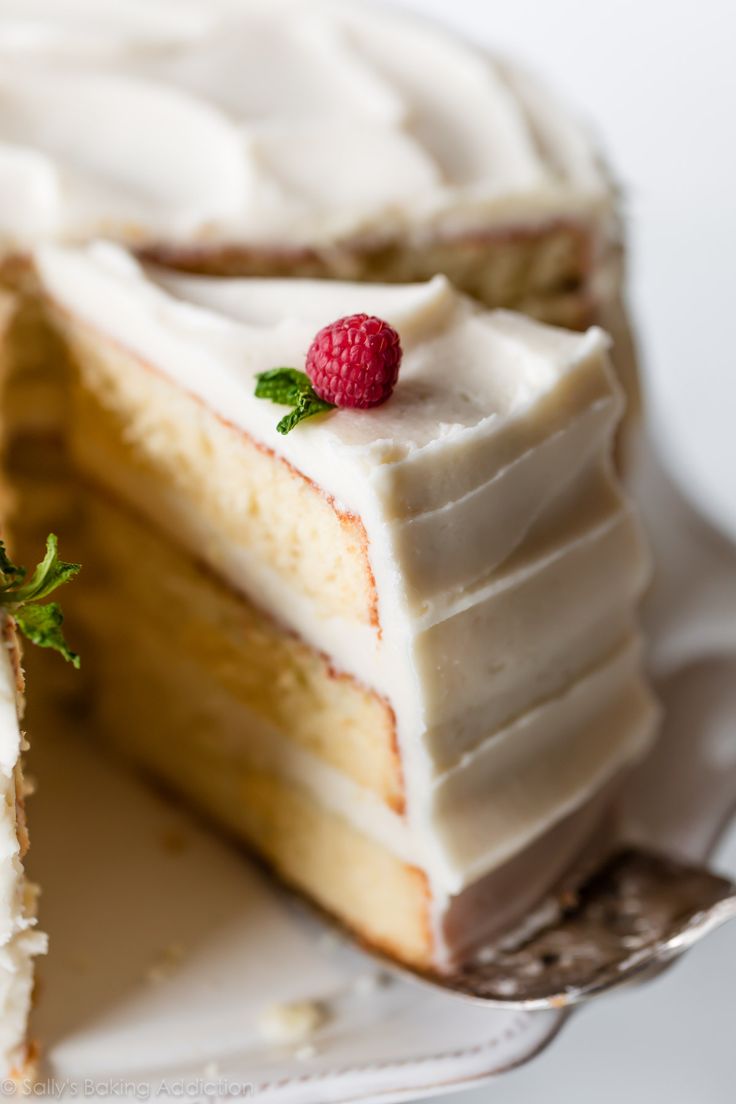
{"points": [[658, 79]]}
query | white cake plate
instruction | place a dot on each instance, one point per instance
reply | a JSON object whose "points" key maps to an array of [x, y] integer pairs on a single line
{"points": [[167, 945]]}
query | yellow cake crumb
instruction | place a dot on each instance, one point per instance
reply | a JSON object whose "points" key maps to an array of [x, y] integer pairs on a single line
{"points": [[290, 1022]]}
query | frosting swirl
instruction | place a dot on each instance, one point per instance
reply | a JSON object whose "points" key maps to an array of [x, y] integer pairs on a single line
{"points": [[269, 122]]}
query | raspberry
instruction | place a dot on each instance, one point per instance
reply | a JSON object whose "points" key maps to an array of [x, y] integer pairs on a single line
{"points": [[355, 361]]}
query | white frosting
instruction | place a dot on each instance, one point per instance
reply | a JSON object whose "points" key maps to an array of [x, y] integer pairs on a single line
{"points": [[19, 942], [507, 563], [270, 122]]}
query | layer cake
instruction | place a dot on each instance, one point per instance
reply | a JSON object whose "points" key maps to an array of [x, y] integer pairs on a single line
{"points": [[396, 653]]}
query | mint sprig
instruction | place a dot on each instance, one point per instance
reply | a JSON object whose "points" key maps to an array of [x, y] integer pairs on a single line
{"points": [[41, 624], [290, 387]]}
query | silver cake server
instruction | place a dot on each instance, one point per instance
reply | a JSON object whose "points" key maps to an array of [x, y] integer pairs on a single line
{"points": [[636, 911]]}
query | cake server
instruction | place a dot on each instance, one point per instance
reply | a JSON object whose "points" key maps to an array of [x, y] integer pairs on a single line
{"points": [[637, 910]]}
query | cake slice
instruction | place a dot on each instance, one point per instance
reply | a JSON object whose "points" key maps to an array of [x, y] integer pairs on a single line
{"points": [[394, 651]]}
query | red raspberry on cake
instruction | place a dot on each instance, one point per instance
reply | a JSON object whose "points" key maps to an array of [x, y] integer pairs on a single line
{"points": [[355, 361]]}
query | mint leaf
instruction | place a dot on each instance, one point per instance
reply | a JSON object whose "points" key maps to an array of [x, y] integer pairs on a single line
{"points": [[49, 574], [290, 387], [282, 385], [307, 406], [40, 624]]}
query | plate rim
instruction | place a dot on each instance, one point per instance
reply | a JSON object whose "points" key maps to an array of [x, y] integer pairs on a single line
{"points": [[288, 1088]]}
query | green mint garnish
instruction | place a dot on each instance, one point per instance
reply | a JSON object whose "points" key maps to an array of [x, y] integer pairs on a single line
{"points": [[40, 624], [290, 387]]}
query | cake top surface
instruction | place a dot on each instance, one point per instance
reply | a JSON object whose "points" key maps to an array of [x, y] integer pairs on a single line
{"points": [[270, 123], [465, 370]]}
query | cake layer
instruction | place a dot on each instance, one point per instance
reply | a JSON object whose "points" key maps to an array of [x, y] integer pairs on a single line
{"points": [[144, 428], [387, 903], [481, 387], [545, 270], [385, 900], [272, 678]]}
